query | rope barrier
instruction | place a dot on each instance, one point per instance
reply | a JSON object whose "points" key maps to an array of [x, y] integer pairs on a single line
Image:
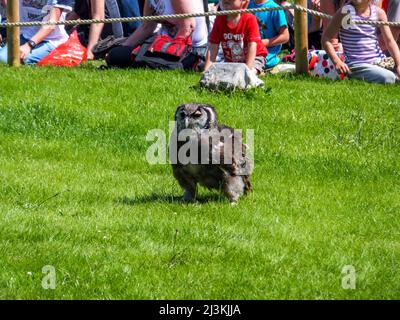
{"points": [[137, 19], [189, 15]]}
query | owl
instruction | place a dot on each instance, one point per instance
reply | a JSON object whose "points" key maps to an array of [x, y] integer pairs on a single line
{"points": [[203, 152]]}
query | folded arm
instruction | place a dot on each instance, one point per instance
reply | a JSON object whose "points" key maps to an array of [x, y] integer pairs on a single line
{"points": [[280, 38], [145, 30], [43, 32], [185, 26]]}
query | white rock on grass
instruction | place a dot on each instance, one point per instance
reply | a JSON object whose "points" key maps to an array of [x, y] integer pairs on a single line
{"points": [[223, 76]]}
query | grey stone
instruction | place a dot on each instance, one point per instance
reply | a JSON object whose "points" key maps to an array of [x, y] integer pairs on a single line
{"points": [[228, 76]]}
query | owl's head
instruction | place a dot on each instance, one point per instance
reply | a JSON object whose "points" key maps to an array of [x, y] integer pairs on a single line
{"points": [[195, 116]]}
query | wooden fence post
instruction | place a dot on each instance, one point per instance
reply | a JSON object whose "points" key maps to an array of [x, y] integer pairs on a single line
{"points": [[13, 34], [301, 38]]}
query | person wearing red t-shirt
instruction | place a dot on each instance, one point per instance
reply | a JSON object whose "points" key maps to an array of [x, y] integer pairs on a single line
{"points": [[239, 36]]}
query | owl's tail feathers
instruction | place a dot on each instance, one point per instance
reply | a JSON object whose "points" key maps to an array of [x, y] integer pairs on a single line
{"points": [[247, 185]]}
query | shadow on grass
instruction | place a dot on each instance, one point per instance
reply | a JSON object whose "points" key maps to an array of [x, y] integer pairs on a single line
{"points": [[247, 94], [167, 198]]}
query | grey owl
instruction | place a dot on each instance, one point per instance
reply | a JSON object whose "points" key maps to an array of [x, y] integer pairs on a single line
{"points": [[209, 154]]}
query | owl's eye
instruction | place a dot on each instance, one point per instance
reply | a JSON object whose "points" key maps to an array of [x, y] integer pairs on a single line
{"points": [[197, 114], [182, 114]]}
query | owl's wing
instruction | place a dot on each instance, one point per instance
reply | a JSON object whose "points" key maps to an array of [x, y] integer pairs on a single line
{"points": [[230, 154]]}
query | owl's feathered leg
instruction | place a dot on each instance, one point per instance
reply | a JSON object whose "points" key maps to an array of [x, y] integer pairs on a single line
{"points": [[233, 188], [190, 186], [189, 195], [247, 185]]}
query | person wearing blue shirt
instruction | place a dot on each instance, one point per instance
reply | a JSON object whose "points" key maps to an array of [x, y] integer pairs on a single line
{"points": [[273, 29]]}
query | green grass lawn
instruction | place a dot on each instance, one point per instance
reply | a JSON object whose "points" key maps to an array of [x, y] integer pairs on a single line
{"points": [[77, 193]]}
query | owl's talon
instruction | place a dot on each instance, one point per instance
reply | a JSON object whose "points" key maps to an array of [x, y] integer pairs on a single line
{"points": [[187, 196]]}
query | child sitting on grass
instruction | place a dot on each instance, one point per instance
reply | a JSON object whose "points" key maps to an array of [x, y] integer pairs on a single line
{"points": [[360, 43], [273, 29], [239, 36]]}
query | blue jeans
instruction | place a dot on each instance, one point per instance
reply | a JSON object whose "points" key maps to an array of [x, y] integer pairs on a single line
{"points": [[114, 12], [129, 8], [372, 73], [125, 9], [37, 54]]}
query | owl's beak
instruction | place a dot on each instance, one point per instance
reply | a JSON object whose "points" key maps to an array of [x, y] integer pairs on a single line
{"points": [[186, 123]]}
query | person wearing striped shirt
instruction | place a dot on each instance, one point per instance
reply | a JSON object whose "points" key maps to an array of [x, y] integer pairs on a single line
{"points": [[360, 43]]}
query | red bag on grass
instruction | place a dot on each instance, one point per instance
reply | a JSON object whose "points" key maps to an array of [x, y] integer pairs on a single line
{"points": [[162, 52], [69, 54], [174, 49]]}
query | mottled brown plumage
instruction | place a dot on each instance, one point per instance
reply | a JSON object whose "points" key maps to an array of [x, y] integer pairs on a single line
{"points": [[218, 158]]}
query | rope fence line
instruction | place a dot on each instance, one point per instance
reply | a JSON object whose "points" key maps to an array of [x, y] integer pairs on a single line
{"points": [[190, 15], [138, 19]]}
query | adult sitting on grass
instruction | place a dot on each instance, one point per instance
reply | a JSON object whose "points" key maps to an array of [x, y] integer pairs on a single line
{"points": [[393, 12], [38, 42], [89, 35], [177, 28], [239, 36], [360, 44]]}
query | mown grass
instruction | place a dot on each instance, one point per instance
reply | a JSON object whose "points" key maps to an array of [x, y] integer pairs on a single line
{"points": [[77, 193]]}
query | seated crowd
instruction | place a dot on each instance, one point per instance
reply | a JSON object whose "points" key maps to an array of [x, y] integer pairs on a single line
{"points": [[254, 39]]}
